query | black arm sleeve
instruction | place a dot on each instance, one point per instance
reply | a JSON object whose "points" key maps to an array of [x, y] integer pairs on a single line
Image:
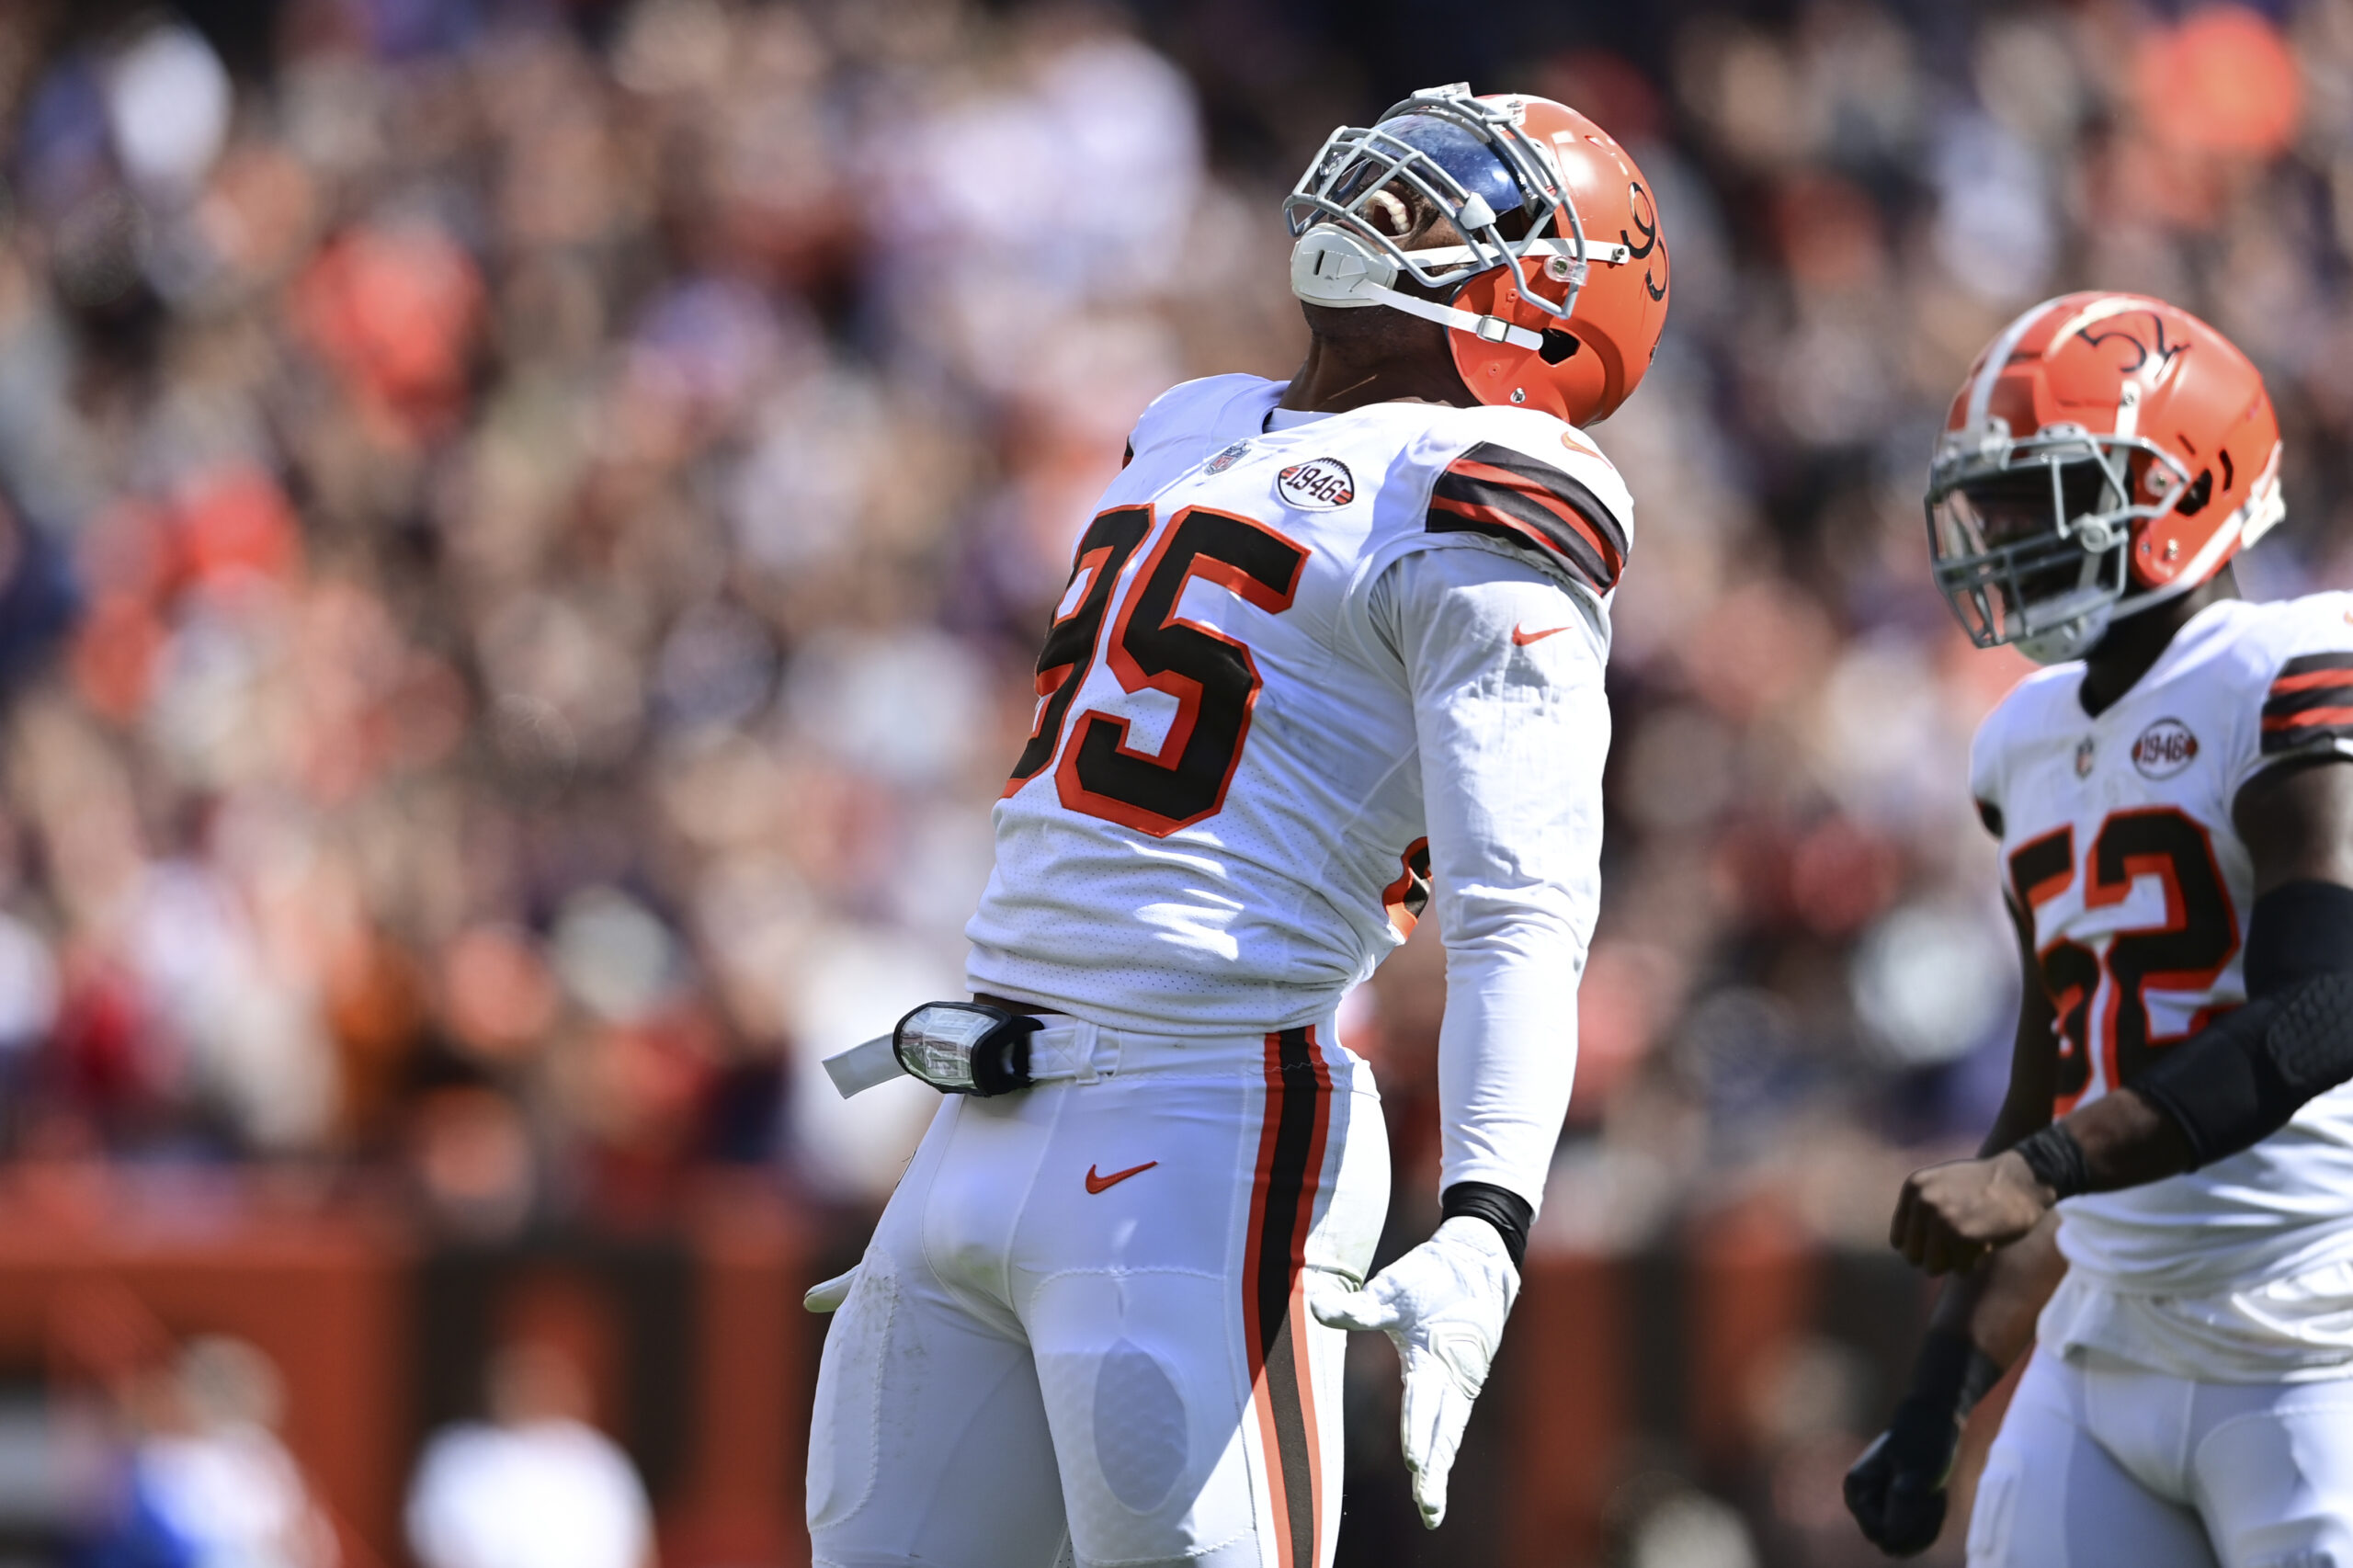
{"points": [[2237, 1081]]}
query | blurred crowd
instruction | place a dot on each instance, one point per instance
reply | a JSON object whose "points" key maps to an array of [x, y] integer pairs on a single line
{"points": [[522, 553], [170, 1456], [157, 1452], [523, 529]]}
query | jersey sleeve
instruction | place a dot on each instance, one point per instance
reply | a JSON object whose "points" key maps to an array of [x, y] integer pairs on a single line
{"points": [[2306, 702], [1563, 505], [1512, 731]]}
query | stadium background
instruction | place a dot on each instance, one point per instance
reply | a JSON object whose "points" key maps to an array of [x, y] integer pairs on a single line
{"points": [[523, 528]]}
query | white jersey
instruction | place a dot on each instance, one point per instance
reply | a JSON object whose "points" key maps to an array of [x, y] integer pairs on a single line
{"points": [[2117, 841], [1221, 820]]}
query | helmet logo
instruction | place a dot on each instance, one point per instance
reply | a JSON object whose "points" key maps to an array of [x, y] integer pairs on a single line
{"points": [[1645, 216], [2164, 749], [1321, 485], [2162, 351]]}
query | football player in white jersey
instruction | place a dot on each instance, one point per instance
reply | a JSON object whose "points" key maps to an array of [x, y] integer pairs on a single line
{"points": [[2178, 859], [1331, 654]]}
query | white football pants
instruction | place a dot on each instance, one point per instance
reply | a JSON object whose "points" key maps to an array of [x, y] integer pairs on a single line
{"points": [[2101, 1464], [1080, 1326]]}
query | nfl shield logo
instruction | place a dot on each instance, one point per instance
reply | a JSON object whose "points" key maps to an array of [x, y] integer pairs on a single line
{"points": [[1226, 458], [2083, 758]]}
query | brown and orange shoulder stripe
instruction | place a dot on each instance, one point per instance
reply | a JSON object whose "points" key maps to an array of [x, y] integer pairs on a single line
{"points": [[1508, 496], [2311, 700]]}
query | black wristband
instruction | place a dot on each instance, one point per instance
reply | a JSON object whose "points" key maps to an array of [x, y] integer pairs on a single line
{"points": [[1506, 1211], [1952, 1372], [2056, 1160]]}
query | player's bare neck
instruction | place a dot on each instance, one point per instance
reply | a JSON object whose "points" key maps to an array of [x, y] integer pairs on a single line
{"points": [[2138, 641], [1367, 356]]}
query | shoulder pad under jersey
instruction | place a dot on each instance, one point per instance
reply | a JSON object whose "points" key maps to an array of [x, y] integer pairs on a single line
{"points": [[1191, 411]]}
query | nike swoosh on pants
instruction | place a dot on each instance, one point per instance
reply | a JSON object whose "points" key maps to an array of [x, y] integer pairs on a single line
{"points": [[1098, 1183]]}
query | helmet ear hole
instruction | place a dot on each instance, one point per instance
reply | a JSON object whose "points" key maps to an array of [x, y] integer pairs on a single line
{"points": [[2201, 491], [1558, 345]]}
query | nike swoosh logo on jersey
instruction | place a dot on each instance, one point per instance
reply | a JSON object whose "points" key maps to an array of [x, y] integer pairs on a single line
{"points": [[1521, 637], [1104, 1183]]}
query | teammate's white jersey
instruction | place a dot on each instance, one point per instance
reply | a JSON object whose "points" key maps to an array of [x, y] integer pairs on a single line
{"points": [[1219, 822], [2118, 840]]}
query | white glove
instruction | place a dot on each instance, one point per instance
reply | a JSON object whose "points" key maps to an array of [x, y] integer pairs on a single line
{"points": [[1444, 1303], [828, 1294]]}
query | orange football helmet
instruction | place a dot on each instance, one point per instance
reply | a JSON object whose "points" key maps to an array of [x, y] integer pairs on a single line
{"points": [[1558, 293], [2106, 452]]}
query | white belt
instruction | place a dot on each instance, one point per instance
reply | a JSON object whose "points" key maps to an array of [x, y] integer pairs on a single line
{"points": [[1066, 1049]]}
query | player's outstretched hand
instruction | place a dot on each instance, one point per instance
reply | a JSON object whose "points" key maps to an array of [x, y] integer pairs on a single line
{"points": [[827, 1295], [1951, 1215], [1896, 1491], [1444, 1303]]}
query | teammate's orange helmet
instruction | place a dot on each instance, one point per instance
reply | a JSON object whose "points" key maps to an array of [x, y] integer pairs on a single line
{"points": [[1556, 297], [2107, 451]]}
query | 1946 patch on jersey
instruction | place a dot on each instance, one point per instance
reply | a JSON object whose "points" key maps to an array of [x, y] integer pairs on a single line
{"points": [[1320, 484], [2164, 749]]}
